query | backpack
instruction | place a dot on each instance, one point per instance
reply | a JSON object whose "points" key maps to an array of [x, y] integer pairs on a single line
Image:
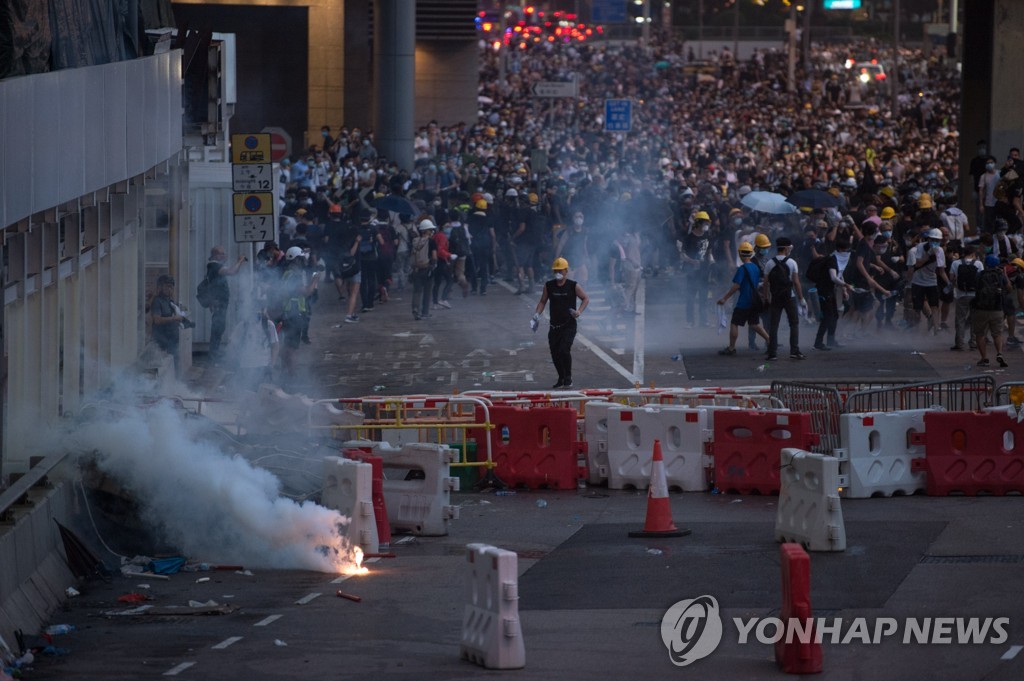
{"points": [[204, 293], [421, 253], [780, 285], [989, 294], [817, 270], [967, 276], [457, 242]]}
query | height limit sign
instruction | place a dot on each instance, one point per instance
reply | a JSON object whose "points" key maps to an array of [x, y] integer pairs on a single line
{"points": [[254, 216]]}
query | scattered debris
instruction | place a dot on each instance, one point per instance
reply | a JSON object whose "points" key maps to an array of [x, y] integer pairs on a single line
{"points": [[279, 643], [350, 597], [71, 592]]}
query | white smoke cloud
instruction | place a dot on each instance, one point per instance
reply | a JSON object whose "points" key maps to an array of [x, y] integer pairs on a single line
{"points": [[212, 506]]}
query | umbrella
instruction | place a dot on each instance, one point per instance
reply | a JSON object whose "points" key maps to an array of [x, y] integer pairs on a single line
{"points": [[813, 198], [396, 204], [768, 202], [483, 99]]}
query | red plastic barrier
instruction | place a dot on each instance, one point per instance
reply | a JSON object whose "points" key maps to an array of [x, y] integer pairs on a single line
{"points": [[747, 448], [971, 453], [797, 656], [380, 509], [533, 447]]}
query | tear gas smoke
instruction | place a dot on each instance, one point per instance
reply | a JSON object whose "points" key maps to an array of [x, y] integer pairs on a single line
{"points": [[207, 503]]}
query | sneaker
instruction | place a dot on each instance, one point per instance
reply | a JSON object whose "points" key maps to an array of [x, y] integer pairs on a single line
{"points": [[957, 348], [483, 293], [445, 304], [567, 383], [417, 317], [1013, 340], [1002, 362], [836, 344], [771, 358], [797, 355], [727, 351], [819, 346], [352, 319], [983, 362], [558, 385], [367, 309]]}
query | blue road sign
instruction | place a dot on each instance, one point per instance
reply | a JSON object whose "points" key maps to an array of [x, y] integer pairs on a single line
{"points": [[608, 11], [618, 115]]}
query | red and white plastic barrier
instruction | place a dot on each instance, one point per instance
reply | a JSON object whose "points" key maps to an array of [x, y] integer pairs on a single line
{"points": [[877, 451], [809, 511], [595, 433], [632, 432], [348, 489], [972, 453], [796, 656], [747, 447], [492, 635], [422, 505]]}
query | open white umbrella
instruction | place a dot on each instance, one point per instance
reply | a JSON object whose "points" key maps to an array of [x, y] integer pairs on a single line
{"points": [[768, 202]]}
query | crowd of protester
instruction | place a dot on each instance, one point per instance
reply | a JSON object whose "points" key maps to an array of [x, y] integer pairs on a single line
{"points": [[533, 179]]}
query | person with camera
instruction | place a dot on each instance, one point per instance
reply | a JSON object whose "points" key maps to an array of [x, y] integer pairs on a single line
{"points": [[217, 272], [168, 319]]}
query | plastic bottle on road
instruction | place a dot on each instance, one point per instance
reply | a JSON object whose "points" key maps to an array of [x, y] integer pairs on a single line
{"points": [[56, 629]]}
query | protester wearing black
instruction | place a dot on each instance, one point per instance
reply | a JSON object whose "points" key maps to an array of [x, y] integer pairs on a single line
{"points": [[563, 293]]}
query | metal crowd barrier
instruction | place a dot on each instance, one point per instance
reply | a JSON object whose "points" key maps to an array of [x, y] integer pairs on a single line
{"points": [[970, 393], [822, 401], [1002, 396]]}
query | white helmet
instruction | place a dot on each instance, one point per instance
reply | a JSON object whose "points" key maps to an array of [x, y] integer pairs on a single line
{"points": [[933, 233], [292, 253], [426, 225], [511, 193]]}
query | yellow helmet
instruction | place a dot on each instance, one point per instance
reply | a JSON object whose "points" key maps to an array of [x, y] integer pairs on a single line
{"points": [[481, 204], [533, 198], [762, 241], [560, 264], [701, 215], [745, 248], [925, 201], [887, 213]]}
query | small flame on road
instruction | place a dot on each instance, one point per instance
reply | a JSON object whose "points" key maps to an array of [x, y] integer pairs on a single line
{"points": [[356, 566]]}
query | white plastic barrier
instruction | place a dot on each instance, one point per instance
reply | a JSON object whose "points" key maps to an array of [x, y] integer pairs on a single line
{"points": [[631, 435], [595, 433], [876, 453], [809, 509], [348, 489], [422, 505], [492, 635]]}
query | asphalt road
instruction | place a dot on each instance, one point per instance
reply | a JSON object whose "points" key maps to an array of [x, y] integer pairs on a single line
{"points": [[591, 599]]}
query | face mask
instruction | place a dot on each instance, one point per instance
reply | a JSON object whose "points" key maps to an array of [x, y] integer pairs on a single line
{"points": [[559, 276], [887, 235], [447, 231], [307, 202], [577, 221], [366, 166], [737, 221], [762, 251], [366, 142], [881, 249], [990, 166], [324, 133]]}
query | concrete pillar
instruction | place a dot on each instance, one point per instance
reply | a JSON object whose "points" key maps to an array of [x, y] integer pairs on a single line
{"points": [[358, 111], [394, 79], [992, 101]]}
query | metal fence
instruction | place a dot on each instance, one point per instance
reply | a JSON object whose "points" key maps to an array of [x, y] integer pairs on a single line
{"points": [[1002, 395], [822, 401], [970, 393]]}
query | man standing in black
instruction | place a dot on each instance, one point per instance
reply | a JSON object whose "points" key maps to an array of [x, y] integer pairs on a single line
{"points": [[562, 292], [167, 320]]}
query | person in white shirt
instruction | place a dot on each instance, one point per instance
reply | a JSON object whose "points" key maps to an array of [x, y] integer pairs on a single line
{"points": [[927, 263]]}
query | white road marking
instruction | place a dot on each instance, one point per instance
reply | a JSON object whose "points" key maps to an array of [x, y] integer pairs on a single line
{"points": [[226, 642], [1012, 652], [267, 620], [307, 598], [404, 540], [174, 671], [341, 579], [638, 332]]}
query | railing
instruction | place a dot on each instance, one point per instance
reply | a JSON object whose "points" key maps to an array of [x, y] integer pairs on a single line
{"points": [[22, 483], [822, 401], [1002, 395], [970, 393]]}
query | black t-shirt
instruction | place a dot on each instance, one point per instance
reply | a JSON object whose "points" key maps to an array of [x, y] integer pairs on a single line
{"points": [[165, 335], [866, 254], [480, 230], [697, 246], [218, 282], [562, 299]]}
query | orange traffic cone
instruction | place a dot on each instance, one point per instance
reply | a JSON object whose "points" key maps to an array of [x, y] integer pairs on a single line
{"points": [[659, 511]]}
